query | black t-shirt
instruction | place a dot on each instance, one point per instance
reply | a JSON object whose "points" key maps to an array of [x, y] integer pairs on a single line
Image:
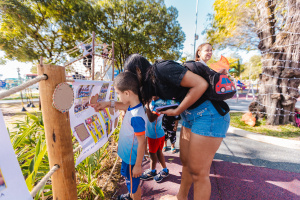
{"points": [[199, 70], [169, 75]]}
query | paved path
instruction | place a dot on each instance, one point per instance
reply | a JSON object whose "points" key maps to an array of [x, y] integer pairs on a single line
{"points": [[242, 169]]}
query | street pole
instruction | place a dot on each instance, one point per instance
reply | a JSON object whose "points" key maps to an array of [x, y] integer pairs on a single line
{"points": [[195, 30], [20, 82]]}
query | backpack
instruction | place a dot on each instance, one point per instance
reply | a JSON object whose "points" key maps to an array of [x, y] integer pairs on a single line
{"points": [[220, 86]]}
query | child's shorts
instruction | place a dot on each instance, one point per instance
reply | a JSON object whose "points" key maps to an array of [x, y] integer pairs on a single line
{"points": [[205, 120], [156, 144], [126, 174]]}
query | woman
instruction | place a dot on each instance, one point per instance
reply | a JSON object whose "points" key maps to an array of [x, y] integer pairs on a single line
{"points": [[203, 127]]}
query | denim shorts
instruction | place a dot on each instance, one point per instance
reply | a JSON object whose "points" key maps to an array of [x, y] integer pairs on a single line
{"points": [[205, 120]]}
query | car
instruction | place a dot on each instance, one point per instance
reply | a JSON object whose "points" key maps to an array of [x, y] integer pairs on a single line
{"points": [[224, 85]]}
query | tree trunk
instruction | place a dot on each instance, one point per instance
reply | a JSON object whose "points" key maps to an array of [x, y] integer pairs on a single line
{"points": [[280, 77]]}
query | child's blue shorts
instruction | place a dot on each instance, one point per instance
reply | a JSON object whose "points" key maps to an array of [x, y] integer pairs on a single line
{"points": [[126, 174], [205, 120]]}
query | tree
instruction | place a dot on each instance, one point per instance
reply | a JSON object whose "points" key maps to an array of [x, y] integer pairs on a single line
{"points": [[272, 26], [2, 61], [34, 28], [145, 27], [252, 68]]}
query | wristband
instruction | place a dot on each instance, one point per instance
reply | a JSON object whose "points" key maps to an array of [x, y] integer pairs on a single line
{"points": [[112, 103]]}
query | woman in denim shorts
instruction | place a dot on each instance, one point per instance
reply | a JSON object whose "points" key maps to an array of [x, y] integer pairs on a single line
{"points": [[203, 127]]}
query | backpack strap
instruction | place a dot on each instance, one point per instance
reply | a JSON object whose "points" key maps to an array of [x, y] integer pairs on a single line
{"points": [[221, 106]]}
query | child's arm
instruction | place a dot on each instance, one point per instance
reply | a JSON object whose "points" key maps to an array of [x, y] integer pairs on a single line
{"points": [[98, 106], [151, 116], [137, 169]]}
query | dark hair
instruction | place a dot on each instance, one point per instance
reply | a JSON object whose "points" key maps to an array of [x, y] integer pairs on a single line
{"points": [[127, 81], [200, 47], [144, 71]]}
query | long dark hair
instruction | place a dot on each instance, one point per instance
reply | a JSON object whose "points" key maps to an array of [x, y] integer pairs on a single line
{"points": [[142, 68]]}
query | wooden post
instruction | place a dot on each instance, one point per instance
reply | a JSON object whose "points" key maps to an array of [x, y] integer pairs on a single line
{"points": [[113, 61], [58, 135], [93, 61]]}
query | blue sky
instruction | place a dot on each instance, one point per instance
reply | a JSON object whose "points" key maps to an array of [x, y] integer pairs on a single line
{"points": [[187, 18]]}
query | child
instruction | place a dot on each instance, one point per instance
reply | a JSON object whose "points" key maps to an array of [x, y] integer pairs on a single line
{"points": [[170, 124], [156, 138], [131, 144]]}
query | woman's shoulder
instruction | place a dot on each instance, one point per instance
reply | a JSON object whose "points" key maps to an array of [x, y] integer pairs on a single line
{"points": [[167, 66]]}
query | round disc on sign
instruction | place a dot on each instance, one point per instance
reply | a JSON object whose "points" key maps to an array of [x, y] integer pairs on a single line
{"points": [[63, 97]]}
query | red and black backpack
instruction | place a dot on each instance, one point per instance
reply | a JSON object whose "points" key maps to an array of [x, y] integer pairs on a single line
{"points": [[220, 86]]}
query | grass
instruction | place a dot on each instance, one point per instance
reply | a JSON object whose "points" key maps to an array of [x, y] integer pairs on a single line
{"points": [[281, 131]]}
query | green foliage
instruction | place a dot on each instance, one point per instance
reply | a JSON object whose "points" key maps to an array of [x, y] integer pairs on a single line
{"points": [[145, 27], [252, 68], [33, 28], [282, 131], [233, 25], [30, 148], [2, 61]]}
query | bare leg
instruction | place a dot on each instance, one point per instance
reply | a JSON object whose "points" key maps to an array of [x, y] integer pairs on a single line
{"points": [[153, 160], [186, 177], [138, 194], [161, 158], [201, 153]]}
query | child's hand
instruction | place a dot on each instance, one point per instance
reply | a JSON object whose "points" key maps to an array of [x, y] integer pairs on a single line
{"points": [[136, 171], [98, 105]]}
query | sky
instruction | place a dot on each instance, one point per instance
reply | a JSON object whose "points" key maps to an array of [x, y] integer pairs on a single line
{"points": [[186, 17], [187, 20]]}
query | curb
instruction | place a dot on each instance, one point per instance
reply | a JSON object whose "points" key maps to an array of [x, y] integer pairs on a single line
{"points": [[292, 144]]}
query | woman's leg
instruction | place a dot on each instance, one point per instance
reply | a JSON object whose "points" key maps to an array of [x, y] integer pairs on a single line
{"points": [[201, 153], [186, 177]]}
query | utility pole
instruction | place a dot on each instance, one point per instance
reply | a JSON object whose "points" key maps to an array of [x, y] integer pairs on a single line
{"points": [[20, 82], [196, 36]]}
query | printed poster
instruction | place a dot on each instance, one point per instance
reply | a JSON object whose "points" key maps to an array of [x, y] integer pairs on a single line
{"points": [[12, 182], [92, 129]]}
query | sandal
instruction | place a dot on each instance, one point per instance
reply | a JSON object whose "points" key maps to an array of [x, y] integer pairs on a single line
{"points": [[173, 150], [164, 149]]}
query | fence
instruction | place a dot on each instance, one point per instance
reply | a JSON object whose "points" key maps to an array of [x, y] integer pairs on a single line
{"points": [[57, 124]]}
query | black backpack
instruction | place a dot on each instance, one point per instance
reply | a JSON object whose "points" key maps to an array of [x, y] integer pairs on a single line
{"points": [[220, 86]]}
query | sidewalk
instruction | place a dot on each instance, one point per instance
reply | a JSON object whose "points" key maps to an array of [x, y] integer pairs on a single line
{"points": [[243, 168]]}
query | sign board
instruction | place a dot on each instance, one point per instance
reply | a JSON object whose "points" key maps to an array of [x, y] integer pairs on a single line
{"points": [[92, 129], [12, 183]]}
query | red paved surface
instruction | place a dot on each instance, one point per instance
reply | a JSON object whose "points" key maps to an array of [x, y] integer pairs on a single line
{"points": [[229, 181]]}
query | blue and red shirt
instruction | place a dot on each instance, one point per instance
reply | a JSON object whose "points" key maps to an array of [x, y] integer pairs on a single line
{"points": [[134, 124]]}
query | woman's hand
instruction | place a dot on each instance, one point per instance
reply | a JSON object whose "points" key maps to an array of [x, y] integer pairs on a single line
{"points": [[223, 71], [170, 112]]}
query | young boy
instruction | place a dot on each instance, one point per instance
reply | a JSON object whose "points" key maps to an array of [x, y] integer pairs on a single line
{"points": [[131, 146], [156, 138]]}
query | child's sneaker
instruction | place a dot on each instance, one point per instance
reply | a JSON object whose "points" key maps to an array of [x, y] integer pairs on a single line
{"points": [[161, 175], [148, 174], [124, 197]]}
